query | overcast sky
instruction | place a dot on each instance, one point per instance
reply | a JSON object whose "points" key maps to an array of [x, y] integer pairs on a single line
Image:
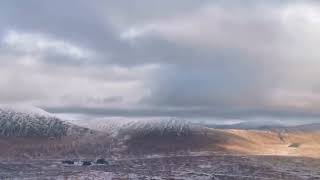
{"points": [[185, 58]]}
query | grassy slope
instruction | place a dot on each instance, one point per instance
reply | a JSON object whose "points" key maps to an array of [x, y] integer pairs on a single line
{"points": [[273, 143]]}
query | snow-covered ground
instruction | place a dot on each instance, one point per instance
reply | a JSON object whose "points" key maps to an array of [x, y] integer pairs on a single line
{"points": [[201, 167]]}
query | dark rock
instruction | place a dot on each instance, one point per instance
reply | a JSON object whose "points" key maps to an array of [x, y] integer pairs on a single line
{"points": [[294, 145], [68, 162], [101, 161], [86, 163]]}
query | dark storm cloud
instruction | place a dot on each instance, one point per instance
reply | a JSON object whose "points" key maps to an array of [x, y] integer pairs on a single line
{"points": [[217, 84], [236, 59]]}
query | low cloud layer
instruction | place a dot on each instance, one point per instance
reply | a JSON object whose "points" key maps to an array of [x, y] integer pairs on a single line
{"points": [[200, 59]]}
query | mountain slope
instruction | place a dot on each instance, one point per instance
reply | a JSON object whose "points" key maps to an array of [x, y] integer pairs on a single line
{"points": [[257, 142], [145, 136], [28, 132], [132, 127], [22, 121], [28, 122]]}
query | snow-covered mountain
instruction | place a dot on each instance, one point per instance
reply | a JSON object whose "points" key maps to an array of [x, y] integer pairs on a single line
{"points": [[150, 135], [132, 127], [23, 121], [29, 132]]}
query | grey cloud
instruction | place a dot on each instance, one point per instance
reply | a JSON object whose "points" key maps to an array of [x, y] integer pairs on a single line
{"points": [[219, 84], [183, 58]]}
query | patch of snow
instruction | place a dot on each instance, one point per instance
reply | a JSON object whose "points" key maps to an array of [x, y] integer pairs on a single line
{"points": [[204, 166], [116, 126]]}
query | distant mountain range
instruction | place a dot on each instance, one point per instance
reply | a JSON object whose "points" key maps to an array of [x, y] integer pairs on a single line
{"points": [[269, 127]]}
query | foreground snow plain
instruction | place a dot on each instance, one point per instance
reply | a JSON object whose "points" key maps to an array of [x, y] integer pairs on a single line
{"points": [[197, 166]]}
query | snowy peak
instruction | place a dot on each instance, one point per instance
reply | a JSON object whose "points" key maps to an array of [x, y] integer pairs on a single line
{"points": [[21, 121], [21, 109]]}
